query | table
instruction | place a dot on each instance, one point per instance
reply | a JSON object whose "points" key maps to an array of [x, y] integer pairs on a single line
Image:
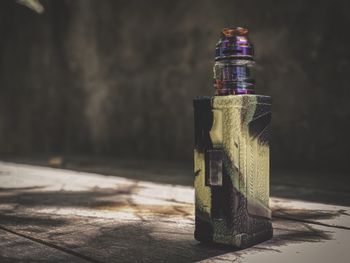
{"points": [[56, 215]]}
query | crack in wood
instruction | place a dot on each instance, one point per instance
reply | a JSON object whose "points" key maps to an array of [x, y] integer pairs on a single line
{"points": [[45, 243], [291, 218]]}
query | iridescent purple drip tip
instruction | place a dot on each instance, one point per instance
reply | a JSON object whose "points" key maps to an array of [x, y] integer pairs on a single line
{"points": [[234, 64]]}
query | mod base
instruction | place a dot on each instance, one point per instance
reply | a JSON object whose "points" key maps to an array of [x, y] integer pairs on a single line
{"points": [[204, 233]]}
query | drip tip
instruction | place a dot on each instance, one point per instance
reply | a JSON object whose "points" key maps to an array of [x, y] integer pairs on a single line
{"points": [[233, 44], [232, 32]]}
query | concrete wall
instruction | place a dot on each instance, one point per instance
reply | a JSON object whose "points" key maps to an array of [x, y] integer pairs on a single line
{"points": [[117, 78]]}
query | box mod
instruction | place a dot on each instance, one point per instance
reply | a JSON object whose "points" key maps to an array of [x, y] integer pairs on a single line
{"points": [[231, 154]]}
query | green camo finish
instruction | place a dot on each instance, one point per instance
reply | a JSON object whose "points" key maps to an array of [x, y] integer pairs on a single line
{"points": [[231, 165]]}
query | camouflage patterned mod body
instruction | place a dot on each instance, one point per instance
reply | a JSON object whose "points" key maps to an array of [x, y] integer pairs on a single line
{"points": [[231, 165]]}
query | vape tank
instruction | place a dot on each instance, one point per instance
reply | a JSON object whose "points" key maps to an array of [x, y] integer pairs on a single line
{"points": [[231, 154]]}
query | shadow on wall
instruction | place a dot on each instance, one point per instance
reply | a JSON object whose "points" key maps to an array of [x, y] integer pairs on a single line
{"points": [[117, 78]]}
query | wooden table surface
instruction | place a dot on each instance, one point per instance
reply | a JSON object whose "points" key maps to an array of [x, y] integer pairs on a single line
{"points": [[59, 215]]}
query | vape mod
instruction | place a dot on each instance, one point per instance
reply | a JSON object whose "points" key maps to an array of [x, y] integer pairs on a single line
{"points": [[231, 154]]}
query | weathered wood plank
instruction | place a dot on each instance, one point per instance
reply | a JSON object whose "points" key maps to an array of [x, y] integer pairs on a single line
{"points": [[14, 248], [115, 219], [171, 240]]}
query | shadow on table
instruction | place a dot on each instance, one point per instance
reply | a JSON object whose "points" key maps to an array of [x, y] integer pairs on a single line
{"points": [[328, 188], [163, 238]]}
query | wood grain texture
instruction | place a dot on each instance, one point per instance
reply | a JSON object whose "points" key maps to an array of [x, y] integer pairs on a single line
{"points": [[115, 219]]}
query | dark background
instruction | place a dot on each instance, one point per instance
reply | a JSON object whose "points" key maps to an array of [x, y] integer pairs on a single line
{"points": [[117, 78]]}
